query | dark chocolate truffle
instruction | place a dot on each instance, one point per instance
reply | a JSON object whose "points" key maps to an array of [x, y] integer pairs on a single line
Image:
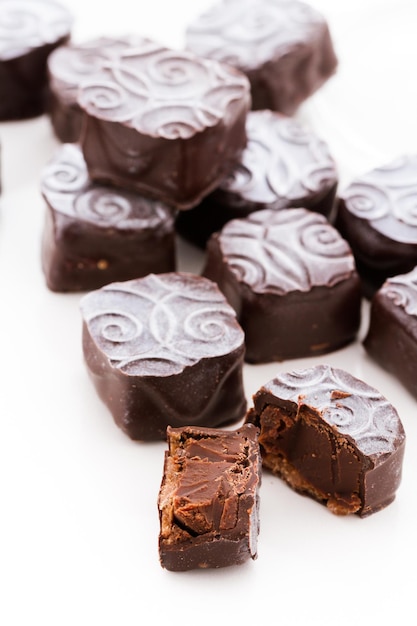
{"points": [[68, 66], [392, 335], [164, 350], [29, 31], [283, 46], [209, 498], [284, 165], [377, 215], [291, 279], [164, 123], [332, 437], [94, 234]]}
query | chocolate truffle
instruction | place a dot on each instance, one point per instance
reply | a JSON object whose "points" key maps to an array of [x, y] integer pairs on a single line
{"points": [[209, 498], [94, 234], [392, 335], [332, 437], [283, 46], [284, 165], [29, 31], [291, 279], [68, 66], [164, 350], [377, 215], [164, 123]]}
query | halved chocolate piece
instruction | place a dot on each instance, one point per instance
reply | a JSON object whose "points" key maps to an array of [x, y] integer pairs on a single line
{"points": [[331, 436], [209, 498]]}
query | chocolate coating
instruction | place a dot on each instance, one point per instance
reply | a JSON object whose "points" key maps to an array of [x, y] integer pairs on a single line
{"points": [[283, 46], [68, 67], [29, 31], [164, 350], [291, 279], [331, 436], [283, 165], [376, 214], [94, 235], [164, 123], [209, 498], [392, 335]]}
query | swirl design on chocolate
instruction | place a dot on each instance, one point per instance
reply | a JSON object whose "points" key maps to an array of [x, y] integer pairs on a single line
{"points": [[68, 190], [402, 290], [355, 408], [387, 198], [162, 93], [29, 24], [288, 250], [247, 33], [161, 324], [282, 162]]}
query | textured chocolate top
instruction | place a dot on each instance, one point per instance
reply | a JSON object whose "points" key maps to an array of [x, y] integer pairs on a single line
{"points": [[158, 325], [402, 290], [67, 189], [387, 198], [282, 162], [71, 64], [163, 93], [345, 402], [288, 250], [249, 33], [29, 24]]}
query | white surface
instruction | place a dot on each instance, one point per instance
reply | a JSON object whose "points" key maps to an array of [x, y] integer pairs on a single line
{"points": [[79, 524]]}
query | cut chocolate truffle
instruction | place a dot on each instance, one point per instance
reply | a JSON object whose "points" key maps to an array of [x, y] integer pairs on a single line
{"points": [[291, 279], [29, 31], [283, 46], [283, 166], [376, 214], [332, 437], [164, 350], [164, 123], [70, 65], [94, 235], [392, 336], [209, 498]]}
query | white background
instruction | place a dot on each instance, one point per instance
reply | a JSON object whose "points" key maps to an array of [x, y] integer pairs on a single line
{"points": [[78, 517]]}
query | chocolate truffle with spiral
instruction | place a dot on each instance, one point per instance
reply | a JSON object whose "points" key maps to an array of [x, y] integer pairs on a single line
{"points": [[94, 234], [283, 46], [164, 350], [29, 31], [392, 335], [164, 123], [68, 66], [291, 279], [331, 436], [283, 166], [209, 498], [377, 215]]}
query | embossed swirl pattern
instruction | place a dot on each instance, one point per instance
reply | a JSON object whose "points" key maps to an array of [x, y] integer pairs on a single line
{"points": [[402, 290], [281, 251], [162, 93], [363, 414], [161, 323]]}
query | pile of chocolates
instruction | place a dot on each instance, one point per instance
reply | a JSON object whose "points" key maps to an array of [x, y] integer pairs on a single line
{"points": [[199, 142]]}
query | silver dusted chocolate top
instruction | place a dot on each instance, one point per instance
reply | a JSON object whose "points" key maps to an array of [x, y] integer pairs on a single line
{"points": [[345, 402], [248, 33], [387, 198], [29, 24], [402, 290], [160, 324], [67, 189], [282, 162], [288, 250], [69, 65], [163, 93]]}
